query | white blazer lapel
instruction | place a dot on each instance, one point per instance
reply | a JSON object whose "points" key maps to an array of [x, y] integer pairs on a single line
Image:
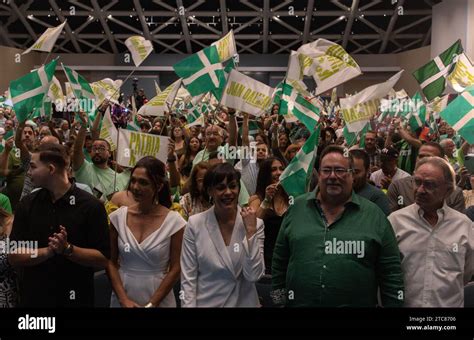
{"points": [[239, 234], [215, 234]]}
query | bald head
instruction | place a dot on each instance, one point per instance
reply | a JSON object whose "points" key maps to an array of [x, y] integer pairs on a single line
{"points": [[49, 139]]}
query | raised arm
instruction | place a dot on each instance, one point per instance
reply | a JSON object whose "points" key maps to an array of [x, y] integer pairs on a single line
{"points": [[78, 156], [232, 128]]}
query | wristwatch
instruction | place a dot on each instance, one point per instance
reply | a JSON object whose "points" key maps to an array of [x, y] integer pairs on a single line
{"points": [[68, 250]]}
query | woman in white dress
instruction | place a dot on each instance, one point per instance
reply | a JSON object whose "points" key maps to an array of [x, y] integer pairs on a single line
{"points": [[145, 241], [222, 255]]}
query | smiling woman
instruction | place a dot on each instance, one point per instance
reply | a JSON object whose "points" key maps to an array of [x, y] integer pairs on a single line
{"points": [[222, 254], [145, 241]]}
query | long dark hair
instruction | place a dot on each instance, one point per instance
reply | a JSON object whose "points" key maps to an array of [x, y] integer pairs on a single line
{"points": [[264, 177], [218, 172], [156, 172], [187, 156]]}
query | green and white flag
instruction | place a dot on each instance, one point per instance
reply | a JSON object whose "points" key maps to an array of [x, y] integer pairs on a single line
{"points": [[297, 175], [432, 76], [246, 94], [253, 128], [459, 114], [81, 90], [161, 103], [417, 116], [294, 103], [327, 62], [108, 131], [139, 47], [28, 92], [201, 72], [45, 111], [462, 75], [226, 47], [46, 42], [359, 108], [437, 105], [351, 137], [220, 90]]}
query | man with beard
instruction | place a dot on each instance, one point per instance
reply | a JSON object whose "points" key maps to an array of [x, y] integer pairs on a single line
{"points": [[335, 248], [96, 174], [11, 164], [401, 192], [361, 187], [436, 241], [67, 237]]}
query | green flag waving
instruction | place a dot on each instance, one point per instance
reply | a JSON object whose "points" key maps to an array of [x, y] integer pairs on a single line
{"points": [[82, 91], [29, 91], [294, 103], [220, 90], [432, 76], [202, 71], [459, 114], [296, 177], [418, 114]]}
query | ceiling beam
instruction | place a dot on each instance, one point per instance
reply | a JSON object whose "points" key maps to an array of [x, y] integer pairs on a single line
{"points": [[98, 13], [391, 26], [127, 26], [403, 48], [287, 47], [184, 26], [266, 24], [67, 28], [322, 28], [410, 25], [23, 19], [95, 46], [284, 24], [426, 39], [76, 31], [225, 25], [170, 47], [370, 4], [350, 21], [364, 47], [204, 25], [307, 20], [141, 16], [248, 47]]}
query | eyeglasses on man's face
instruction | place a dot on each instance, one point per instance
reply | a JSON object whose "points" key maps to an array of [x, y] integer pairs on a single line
{"points": [[339, 172], [427, 184], [99, 149]]}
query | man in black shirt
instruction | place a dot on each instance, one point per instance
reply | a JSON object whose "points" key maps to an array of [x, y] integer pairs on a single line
{"points": [[71, 230]]}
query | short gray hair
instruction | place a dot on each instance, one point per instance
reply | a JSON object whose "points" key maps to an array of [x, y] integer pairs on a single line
{"points": [[441, 163]]}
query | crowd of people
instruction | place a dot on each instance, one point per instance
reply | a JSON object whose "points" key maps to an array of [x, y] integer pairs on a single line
{"points": [[385, 222]]}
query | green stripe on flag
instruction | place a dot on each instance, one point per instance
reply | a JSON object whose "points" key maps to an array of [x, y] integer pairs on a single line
{"points": [[293, 102], [29, 91], [459, 114], [201, 72], [432, 76], [297, 175]]}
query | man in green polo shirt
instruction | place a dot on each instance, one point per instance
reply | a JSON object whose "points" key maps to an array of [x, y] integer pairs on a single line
{"points": [[96, 174], [335, 248]]}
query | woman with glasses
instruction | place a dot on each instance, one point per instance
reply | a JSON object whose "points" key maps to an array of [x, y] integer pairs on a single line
{"points": [[145, 241], [222, 254], [270, 202]]}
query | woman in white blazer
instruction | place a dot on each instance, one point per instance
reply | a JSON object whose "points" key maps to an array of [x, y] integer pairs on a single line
{"points": [[222, 252]]}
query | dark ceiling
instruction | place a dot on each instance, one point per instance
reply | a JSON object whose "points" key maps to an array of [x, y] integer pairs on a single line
{"points": [[260, 26]]}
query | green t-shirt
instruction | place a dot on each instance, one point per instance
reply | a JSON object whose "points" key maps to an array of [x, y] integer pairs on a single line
{"points": [[15, 178], [407, 158], [5, 203], [101, 181]]}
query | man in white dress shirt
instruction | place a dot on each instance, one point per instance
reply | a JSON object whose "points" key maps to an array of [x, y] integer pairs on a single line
{"points": [[436, 241], [389, 171]]}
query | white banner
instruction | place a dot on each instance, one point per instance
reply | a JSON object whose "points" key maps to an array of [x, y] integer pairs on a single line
{"points": [[327, 62], [226, 47], [462, 75], [134, 145], [46, 42], [161, 103], [56, 92], [108, 131], [107, 89], [358, 109], [246, 94], [139, 47]]}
